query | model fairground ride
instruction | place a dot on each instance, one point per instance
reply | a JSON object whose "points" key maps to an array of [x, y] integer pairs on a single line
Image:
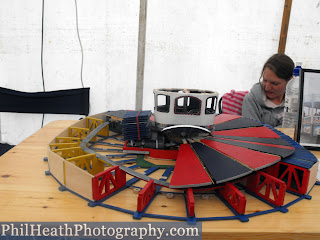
{"points": [[182, 157]]}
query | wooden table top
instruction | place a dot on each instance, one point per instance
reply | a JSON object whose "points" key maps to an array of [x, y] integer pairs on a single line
{"points": [[27, 194]]}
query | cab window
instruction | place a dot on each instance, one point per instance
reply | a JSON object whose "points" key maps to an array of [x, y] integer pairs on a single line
{"points": [[211, 104], [187, 105], [163, 103]]}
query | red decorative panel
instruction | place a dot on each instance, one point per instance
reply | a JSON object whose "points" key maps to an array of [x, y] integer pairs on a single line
{"points": [[107, 182], [234, 197], [145, 195], [188, 171], [190, 202], [296, 178], [267, 187]]}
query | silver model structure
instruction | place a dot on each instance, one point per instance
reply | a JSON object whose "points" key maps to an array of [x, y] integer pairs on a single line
{"points": [[174, 106]]}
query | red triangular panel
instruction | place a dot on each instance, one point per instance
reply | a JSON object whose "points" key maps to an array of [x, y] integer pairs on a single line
{"points": [[224, 118], [188, 171], [262, 132], [251, 158]]}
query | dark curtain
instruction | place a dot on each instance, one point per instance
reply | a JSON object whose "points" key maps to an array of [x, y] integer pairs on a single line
{"points": [[71, 101]]}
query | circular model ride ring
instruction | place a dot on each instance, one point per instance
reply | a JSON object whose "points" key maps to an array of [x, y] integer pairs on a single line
{"points": [[80, 159]]}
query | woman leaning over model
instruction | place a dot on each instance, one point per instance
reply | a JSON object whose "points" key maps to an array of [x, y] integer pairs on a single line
{"points": [[265, 101]]}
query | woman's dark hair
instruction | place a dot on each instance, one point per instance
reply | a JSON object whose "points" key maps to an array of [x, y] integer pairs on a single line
{"points": [[281, 65]]}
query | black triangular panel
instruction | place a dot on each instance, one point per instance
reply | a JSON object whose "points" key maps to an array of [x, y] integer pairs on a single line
{"points": [[237, 123], [220, 167]]}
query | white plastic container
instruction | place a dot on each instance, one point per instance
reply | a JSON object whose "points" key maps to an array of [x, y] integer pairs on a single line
{"points": [[291, 104]]}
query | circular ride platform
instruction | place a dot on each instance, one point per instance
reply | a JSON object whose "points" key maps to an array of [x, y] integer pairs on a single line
{"points": [[241, 158]]}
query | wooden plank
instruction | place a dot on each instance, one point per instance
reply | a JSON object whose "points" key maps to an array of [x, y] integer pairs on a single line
{"points": [[284, 26], [56, 166], [78, 180], [313, 176]]}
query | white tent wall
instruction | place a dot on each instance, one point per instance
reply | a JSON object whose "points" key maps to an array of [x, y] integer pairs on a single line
{"points": [[213, 45], [109, 35], [303, 41], [209, 44]]}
